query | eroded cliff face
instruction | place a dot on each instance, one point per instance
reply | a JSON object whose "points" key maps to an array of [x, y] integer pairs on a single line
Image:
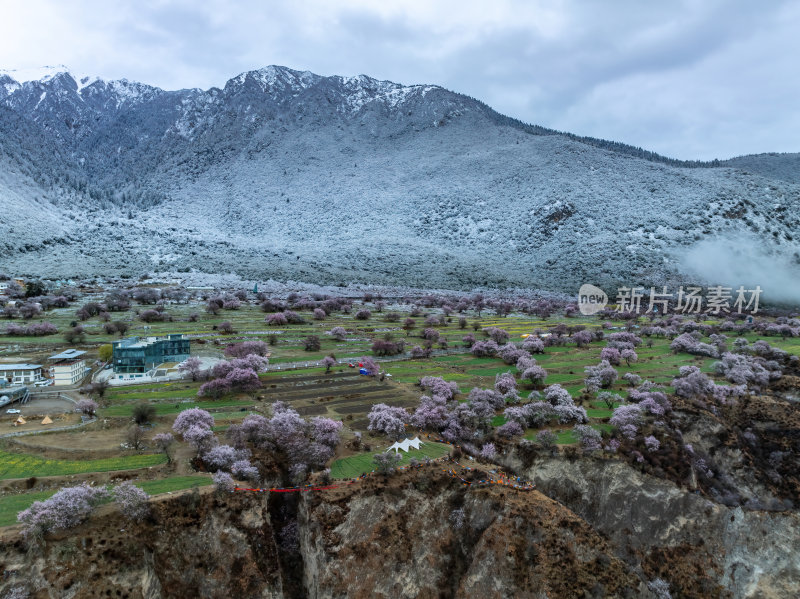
{"points": [[423, 536], [418, 534], [194, 545], [702, 548], [594, 528]]}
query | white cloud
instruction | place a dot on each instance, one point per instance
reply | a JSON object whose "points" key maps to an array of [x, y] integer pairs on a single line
{"points": [[745, 261]]}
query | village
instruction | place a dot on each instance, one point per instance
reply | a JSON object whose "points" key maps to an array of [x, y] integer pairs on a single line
{"points": [[173, 387]]}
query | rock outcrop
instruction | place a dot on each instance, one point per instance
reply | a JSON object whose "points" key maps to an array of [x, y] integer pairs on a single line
{"points": [[418, 534], [596, 527], [702, 548]]}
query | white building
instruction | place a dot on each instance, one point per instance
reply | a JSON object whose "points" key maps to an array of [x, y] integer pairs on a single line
{"points": [[4, 284], [21, 373], [69, 367]]}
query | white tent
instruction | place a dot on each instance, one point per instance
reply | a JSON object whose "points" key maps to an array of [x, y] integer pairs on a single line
{"points": [[406, 444]]}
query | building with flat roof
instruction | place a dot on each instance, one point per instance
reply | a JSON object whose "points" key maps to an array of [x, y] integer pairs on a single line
{"points": [[69, 354], [140, 354], [68, 368], [19, 374]]}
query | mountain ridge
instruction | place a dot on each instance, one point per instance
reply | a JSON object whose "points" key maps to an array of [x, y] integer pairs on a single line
{"points": [[272, 74], [287, 174]]}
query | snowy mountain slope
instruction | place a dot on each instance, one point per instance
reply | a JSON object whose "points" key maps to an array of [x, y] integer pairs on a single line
{"points": [[784, 167], [287, 174]]}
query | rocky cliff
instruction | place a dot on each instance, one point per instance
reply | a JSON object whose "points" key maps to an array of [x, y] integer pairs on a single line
{"points": [[703, 548], [596, 528], [419, 534]]}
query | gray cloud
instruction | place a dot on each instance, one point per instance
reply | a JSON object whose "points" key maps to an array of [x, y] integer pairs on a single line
{"points": [[686, 79]]}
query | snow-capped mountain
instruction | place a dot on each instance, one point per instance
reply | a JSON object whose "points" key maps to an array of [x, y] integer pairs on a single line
{"points": [[288, 174]]}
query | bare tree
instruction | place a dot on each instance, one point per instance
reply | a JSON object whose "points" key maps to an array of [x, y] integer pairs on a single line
{"points": [[135, 436]]}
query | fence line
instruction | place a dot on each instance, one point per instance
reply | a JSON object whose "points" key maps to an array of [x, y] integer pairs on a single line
{"points": [[52, 395], [49, 430]]}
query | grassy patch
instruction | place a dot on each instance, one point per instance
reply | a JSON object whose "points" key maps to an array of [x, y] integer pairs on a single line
{"points": [[13, 504], [173, 483], [499, 420], [493, 371], [359, 464], [18, 465], [165, 408], [599, 413], [139, 394], [566, 436]]}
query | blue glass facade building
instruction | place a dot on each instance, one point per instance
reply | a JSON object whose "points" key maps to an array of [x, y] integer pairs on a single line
{"points": [[138, 355]]}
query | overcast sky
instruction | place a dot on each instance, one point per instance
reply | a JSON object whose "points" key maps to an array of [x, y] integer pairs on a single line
{"points": [[694, 80]]}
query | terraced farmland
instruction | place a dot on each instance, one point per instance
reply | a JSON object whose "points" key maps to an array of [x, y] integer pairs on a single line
{"points": [[344, 395], [341, 394], [16, 465]]}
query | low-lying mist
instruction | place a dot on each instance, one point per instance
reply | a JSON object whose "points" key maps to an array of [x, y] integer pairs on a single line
{"points": [[746, 260]]}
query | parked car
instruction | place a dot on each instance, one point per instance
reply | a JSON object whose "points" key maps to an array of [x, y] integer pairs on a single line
{"points": [[12, 411], [43, 383]]}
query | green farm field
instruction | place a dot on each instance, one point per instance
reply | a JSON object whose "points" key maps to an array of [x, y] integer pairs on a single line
{"points": [[19, 465], [353, 466], [11, 505], [341, 394]]}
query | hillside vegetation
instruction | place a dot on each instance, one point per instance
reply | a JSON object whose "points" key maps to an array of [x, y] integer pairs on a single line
{"points": [[291, 175]]}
